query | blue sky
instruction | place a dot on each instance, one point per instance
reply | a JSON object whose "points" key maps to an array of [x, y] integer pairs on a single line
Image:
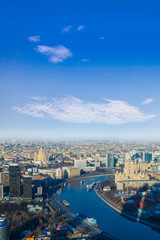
{"points": [[80, 69]]}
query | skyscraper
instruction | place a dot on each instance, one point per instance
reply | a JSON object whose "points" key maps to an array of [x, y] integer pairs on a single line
{"points": [[4, 178], [41, 156], [14, 180], [110, 160], [1, 191], [148, 157], [27, 187], [4, 230]]}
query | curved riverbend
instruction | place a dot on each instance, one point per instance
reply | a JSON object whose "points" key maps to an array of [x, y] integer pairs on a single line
{"points": [[88, 203]]}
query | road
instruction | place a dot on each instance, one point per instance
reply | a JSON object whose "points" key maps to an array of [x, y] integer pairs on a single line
{"points": [[72, 218]]}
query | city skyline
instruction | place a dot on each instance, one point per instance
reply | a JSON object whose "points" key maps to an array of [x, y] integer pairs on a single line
{"points": [[81, 70]]}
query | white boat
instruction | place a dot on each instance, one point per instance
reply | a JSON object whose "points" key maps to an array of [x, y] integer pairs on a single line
{"points": [[92, 221], [90, 187], [65, 203]]}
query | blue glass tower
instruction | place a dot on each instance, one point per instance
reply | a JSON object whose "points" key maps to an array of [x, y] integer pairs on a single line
{"points": [[4, 229]]}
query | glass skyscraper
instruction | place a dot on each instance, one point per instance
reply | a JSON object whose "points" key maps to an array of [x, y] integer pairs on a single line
{"points": [[4, 229], [110, 160], [14, 180], [27, 188]]}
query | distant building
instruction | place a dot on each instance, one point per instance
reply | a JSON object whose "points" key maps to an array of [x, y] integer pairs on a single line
{"points": [[148, 157], [14, 180], [47, 171], [41, 156], [1, 191], [32, 170], [89, 169], [73, 172], [65, 172], [80, 163], [4, 178], [59, 173], [27, 188], [4, 229], [109, 160], [122, 185], [106, 189], [133, 171], [96, 163], [154, 167], [142, 156], [39, 190]]}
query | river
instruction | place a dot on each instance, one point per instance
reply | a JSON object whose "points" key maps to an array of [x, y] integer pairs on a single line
{"points": [[88, 203]]}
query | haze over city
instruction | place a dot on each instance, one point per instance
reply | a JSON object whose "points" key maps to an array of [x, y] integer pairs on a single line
{"points": [[80, 70]]}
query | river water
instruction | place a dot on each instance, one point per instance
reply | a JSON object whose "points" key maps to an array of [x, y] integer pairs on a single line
{"points": [[89, 204]]}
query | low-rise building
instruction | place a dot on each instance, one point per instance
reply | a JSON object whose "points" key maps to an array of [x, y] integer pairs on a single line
{"points": [[80, 163], [73, 172], [122, 185], [59, 173]]}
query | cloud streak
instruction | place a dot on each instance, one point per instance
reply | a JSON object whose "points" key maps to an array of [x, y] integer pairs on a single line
{"points": [[34, 38], [37, 98], [147, 101], [55, 54], [80, 27], [66, 29], [85, 60], [71, 109]]}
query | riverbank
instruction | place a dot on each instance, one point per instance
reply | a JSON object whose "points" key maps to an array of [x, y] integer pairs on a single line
{"points": [[100, 194], [70, 180]]}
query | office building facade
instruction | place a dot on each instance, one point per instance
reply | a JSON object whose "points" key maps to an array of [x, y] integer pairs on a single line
{"points": [[1, 191], [14, 180], [73, 172], [110, 160], [148, 157], [59, 173], [4, 179], [81, 163], [27, 187], [4, 229]]}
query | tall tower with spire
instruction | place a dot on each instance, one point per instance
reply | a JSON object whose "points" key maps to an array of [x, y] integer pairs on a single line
{"points": [[41, 156]]}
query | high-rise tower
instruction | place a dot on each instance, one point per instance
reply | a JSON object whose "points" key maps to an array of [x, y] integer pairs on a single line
{"points": [[14, 180], [4, 230], [27, 187], [41, 156], [110, 160]]}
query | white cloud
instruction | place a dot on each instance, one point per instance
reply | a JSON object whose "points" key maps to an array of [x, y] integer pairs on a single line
{"points": [[147, 101], [80, 27], [66, 29], [56, 54], [71, 109], [85, 60], [38, 98], [34, 38]]}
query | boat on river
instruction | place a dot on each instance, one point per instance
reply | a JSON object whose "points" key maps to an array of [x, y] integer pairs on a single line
{"points": [[90, 187], [92, 221], [65, 203]]}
